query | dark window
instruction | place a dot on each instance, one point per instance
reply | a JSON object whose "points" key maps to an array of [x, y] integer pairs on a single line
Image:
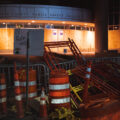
{"points": [[58, 27], [111, 20], [78, 28], [116, 19], [67, 27], [72, 27]]}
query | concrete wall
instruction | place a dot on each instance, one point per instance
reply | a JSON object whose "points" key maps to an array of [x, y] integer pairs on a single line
{"points": [[101, 26]]}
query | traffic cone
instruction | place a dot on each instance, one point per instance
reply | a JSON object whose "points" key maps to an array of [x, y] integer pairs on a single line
{"points": [[3, 94], [18, 95], [43, 107]]}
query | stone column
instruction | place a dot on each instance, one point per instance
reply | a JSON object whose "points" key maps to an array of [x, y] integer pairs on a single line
{"points": [[101, 26]]}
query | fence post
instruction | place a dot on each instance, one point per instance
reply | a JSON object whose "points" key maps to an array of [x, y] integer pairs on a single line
{"points": [[87, 81]]}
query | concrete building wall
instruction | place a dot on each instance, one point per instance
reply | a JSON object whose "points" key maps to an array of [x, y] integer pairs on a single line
{"points": [[101, 26]]}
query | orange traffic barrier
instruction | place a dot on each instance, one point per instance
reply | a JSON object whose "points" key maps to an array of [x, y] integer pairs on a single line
{"points": [[59, 93], [3, 106], [32, 85], [87, 81], [43, 107], [18, 96], [59, 90]]}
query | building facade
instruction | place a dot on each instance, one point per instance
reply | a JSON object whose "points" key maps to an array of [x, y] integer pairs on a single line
{"points": [[90, 33]]}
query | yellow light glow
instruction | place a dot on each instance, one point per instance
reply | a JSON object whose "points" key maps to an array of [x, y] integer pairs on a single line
{"points": [[90, 39], [33, 21], [47, 21], [85, 40], [63, 22], [79, 36], [6, 40], [114, 40]]}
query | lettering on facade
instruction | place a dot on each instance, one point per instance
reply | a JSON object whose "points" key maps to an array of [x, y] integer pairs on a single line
{"points": [[41, 12]]}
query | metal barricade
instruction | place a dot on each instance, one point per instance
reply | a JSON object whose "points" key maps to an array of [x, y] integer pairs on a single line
{"points": [[42, 75], [43, 71], [68, 65], [72, 64], [103, 59]]}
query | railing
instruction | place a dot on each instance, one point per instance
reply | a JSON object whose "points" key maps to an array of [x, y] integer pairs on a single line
{"points": [[72, 64], [42, 74], [43, 71], [68, 65], [102, 59]]}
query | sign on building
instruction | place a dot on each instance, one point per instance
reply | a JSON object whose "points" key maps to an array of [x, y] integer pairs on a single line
{"points": [[36, 41]]}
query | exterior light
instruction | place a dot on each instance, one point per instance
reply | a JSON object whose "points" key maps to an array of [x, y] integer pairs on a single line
{"points": [[29, 23], [3, 23], [72, 25], [33, 21], [63, 22], [116, 27]]}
